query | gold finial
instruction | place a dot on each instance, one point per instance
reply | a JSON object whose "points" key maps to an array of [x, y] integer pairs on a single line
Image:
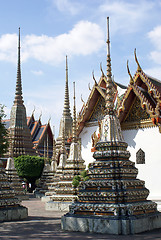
{"points": [[89, 87], [82, 100], [102, 70], [139, 68], [40, 116], [49, 120], [33, 111], [128, 70], [94, 78]]}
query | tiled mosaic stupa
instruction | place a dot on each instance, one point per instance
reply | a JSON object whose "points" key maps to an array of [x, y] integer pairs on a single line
{"points": [[66, 120], [10, 208], [19, 133], [113, 200], [47, 175], [65, 192], [58, 173], [15, 180]]}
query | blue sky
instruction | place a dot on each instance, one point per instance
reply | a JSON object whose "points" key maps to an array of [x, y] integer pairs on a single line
{"points": [[51, 29]]}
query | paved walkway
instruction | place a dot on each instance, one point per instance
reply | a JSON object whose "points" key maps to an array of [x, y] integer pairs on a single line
{"points": [[42, 224]]}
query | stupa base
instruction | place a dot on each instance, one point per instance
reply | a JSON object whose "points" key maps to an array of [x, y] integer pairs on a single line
{"points": [[60, 202], [13, 213], [110, 225], [58, 206]]}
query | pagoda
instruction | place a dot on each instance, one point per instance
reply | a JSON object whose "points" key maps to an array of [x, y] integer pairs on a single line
{"points": [[113, 200], [65, 192], [15, 180], [59, 170], [66, 120], [19, 133], [10, 208], [46, 176]]}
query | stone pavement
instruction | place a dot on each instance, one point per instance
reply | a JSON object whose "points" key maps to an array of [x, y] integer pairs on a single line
{"points": [[42, 224]]}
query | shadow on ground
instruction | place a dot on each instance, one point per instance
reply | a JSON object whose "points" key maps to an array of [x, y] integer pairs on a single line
{"points": [[42, 224]]}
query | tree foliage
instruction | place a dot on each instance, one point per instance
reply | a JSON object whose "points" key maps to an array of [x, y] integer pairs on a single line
{"points": [[29, 167], [78, 178], [3, 133]]}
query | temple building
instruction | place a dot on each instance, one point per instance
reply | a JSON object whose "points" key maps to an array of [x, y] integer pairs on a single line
{"points": [[41, 134], [138, 108], [113, 200]]}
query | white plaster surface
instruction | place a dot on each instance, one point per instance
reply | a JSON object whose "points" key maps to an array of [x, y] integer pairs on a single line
{"points": [[149, 140], [86, 142]]}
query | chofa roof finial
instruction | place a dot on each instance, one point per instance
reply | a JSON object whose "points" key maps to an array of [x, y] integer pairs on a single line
{"points": [[139, 68], [128, 70], [94, 78], [102, 70]]}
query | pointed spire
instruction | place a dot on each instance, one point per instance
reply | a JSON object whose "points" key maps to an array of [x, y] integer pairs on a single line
{"points": [[63, 139], [66, 111], [74, 117], [139, 68], [109, 86], [54, 147], [18, 93], [128, 70]]}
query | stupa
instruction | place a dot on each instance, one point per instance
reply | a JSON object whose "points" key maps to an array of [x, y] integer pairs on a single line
{"points": [[59, 171], [10, 208], [65, 192], [113, 200], [19, 133], [46, 177], [15, 180], [66, 120]]}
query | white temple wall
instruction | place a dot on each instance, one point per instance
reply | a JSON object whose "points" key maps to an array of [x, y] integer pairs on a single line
{"points": [[149, 140], [86, 142]]}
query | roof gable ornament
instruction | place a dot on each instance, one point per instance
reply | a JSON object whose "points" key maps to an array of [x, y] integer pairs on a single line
{"points": [[94, 78], [128, 70], [139, 68], [40, 116], [89, 87], [33, 111], [103, 75]]}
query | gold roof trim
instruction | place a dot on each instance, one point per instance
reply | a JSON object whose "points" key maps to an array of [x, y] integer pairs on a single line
{"points": [[136, 125]]}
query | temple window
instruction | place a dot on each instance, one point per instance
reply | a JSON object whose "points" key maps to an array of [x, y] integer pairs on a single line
{"points": [[140, 157]]}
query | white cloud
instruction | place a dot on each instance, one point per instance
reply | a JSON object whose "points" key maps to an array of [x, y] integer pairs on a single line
{"points": [[154, 72], [8, 49], [85, 38], [67, 6], [37, 72], [155, 38], [127, 17]]}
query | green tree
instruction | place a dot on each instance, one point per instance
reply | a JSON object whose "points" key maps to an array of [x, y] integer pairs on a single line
{"points": [[79, 178], [3, 133], [29, 167]]}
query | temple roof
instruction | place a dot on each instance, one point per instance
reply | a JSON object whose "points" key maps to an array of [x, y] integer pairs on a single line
{"points": [[97, 92], [37, 130], [148, 91]]}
